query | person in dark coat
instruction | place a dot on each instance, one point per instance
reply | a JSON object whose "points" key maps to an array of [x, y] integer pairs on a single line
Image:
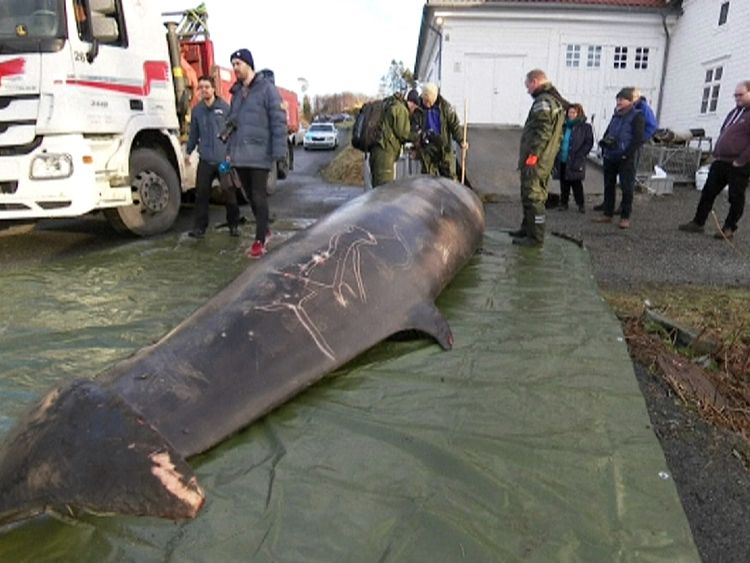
{"points": [[570, 165], [256, 139]]}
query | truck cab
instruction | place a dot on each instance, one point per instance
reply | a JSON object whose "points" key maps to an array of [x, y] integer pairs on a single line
{"points": [[88, 117]]}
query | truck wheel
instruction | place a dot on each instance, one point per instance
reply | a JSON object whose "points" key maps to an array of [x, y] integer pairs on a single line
{"points": [[156, 196]]}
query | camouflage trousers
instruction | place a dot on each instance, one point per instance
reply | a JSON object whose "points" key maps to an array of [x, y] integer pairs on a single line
{"points": [[533, 197], [381, 166]]}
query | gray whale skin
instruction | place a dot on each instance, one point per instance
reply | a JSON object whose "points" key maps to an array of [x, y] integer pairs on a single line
{"points": [[117, 444]]}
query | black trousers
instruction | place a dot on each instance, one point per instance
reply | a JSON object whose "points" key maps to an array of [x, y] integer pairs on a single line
{"points": [[254, 181], [205, 175], [625, 169], [722, 174], [567, 185]]}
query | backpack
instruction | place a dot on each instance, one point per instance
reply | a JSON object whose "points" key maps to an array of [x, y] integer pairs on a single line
{"points": [[368, 126]]}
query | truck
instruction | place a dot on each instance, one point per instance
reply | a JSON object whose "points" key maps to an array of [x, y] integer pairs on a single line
{"points": [[95, 107]]}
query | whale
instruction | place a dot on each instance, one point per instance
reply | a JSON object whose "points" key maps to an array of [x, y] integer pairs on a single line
{"points": [[118, 442]]}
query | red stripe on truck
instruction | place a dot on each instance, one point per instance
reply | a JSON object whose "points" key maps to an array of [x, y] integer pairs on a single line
{"points": [[153, 71]]}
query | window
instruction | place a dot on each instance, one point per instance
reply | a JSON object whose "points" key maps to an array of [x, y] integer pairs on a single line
{"points": [[711, 87], [573, 56], [723, 13], [621, 57], [594, 56], [111, 14], [641, 58]]}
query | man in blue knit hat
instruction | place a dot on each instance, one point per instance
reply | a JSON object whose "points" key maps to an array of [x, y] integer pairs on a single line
{"points": [[258, 138]]}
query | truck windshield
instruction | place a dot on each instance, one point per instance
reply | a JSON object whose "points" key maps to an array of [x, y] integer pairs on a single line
{"points": [[29, 21]]}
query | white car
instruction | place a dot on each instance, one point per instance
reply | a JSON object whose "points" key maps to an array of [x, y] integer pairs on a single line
{"points": [[321, 136]]}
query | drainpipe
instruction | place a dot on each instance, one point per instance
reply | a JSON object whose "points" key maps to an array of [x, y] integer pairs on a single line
{"points": [[663, 80]]}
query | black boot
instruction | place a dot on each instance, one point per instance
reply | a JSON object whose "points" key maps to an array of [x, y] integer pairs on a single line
{"points": [[520, 233]]}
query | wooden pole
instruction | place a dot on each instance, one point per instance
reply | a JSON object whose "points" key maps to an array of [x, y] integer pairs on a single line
{"points": [[463, 149]]}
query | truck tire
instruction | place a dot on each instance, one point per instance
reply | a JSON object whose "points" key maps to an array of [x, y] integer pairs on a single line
{"points": [[156, 196]]}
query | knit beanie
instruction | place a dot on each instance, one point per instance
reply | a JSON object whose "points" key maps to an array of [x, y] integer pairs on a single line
{"points": [[243, 55], [413, 97], [626, 94]]}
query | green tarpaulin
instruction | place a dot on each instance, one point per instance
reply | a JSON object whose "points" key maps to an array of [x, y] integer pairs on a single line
{"points": [[529, 441]]}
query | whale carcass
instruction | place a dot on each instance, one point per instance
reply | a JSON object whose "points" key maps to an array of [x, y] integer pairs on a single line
{"points": [[118, 443]]}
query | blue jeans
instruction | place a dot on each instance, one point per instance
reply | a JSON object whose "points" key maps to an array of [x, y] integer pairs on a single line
{"points": [[625, 169]]}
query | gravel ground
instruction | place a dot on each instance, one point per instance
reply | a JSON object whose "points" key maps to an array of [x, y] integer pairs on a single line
{"points": [[709, 465]]}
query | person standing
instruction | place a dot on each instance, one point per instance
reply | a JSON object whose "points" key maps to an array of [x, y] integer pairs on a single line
{"points": [[208, 120], [577, 140], [620, 144], [731, 167], [395, 132], [438, 126], [649, 128], [540, 142], [257, 139]]}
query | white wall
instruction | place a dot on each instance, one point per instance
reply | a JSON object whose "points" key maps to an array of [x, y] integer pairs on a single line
{"points": [[698, 42], [485, 58]]}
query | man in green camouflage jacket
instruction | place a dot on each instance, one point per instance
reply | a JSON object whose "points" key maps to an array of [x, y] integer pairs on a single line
{"points": [[396, 131], [540, 142], [437, 125]]}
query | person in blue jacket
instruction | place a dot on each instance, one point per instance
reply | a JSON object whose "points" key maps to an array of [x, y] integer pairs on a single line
{"points": [[256, 132], [649, 128], [620, 144], [208, 119]]}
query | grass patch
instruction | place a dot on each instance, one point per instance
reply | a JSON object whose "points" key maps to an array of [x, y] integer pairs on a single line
{"points": [[717, 383], [722, 313], [345, 168]]}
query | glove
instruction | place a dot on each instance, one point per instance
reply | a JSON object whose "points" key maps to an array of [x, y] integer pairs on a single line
{"points": [[531, 160]]}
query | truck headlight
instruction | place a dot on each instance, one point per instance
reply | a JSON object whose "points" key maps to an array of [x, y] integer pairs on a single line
{"points": [[50, 166]]}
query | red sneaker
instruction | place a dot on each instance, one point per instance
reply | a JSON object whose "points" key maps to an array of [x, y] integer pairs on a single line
{"points": [[257, 250]]}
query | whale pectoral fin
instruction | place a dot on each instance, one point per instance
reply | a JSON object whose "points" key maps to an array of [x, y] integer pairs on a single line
{"points": [[426, 318]]}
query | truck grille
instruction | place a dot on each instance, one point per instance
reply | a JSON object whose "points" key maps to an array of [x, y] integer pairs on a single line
{"points": [[8, 187]]}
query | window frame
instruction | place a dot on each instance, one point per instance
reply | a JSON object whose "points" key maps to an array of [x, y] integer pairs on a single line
{"points": [[620, 60], [711, 89]]}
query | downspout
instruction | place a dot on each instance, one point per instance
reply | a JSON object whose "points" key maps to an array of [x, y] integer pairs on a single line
{"points": [[663, 80]]}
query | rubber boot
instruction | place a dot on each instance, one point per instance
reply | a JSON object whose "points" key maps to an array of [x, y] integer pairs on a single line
{"points": [[522, 232], [535, 234]]}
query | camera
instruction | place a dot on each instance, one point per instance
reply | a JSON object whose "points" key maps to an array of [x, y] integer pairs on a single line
{"points": [[229, 128], [608, 142]]}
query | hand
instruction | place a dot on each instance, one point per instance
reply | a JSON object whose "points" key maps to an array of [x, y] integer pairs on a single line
{"points": [[187, 160], [531, 160], [464, 145]]}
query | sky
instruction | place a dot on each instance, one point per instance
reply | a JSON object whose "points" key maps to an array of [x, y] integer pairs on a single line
{"points": [[337, 46]]}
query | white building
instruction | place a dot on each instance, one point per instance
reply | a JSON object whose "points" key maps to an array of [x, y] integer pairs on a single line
{"points": [[685, 56], [481, 51], [708, 56]]}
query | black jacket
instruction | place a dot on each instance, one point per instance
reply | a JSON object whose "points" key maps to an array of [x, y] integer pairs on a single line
{"points": [[581, 141]]}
